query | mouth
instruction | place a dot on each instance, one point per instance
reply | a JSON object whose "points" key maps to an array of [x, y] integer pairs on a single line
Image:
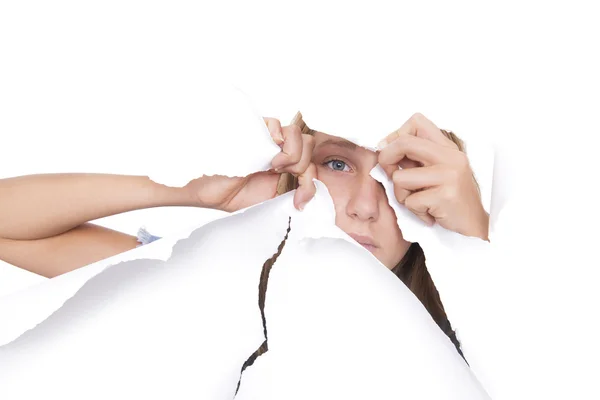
{"points": [[365, 241], [369, 247]]}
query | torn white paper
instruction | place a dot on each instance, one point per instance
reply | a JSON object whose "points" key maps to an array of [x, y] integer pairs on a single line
{"points": [[336, 320], [341, 325], [149, 328], [24, 310], [13, 279], [415, 230]]}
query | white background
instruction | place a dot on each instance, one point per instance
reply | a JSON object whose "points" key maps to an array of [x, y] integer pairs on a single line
{"points": [[520, 74]]}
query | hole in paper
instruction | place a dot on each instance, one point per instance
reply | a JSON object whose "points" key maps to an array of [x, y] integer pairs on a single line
{"points": [[262, 292]]}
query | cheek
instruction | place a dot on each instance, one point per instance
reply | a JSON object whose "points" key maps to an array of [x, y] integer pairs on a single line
{"points": [[396, 246], [338, 190]]}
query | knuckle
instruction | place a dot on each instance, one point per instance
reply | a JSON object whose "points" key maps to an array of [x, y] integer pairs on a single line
{"points": [[404, 141], [296, 156], [381, 157], [305, 169], [418, 117], [449, 193], [293, 130], [295, 169], [452, 175], [309, 173], [402, 196], [462, 162], [309, 140]]}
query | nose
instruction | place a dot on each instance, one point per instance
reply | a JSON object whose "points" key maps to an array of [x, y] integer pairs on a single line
{"points": [[364, 200]]}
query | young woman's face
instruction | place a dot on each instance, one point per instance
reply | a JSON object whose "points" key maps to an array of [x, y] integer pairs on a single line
{"points": [[362, 208]]}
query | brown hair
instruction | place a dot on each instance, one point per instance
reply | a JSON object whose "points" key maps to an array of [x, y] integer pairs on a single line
{"points": [[411, 269]]}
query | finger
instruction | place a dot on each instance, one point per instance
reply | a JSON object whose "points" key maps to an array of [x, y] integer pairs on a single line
{"points": [[291, 152], [308, 145], [420, 126], [413, 179], [421, 204], [306, 187], [401, 194], [408, 163], [417, 149], [405, 163], [274, 127]]}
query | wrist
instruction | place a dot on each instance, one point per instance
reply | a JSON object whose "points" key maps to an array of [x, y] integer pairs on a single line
{"points": [[167, 196]]}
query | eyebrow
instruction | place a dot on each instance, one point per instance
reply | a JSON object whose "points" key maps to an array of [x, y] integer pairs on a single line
{"points": [[339, 142]]}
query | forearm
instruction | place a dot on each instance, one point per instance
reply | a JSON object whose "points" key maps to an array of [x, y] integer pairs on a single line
{"points": [[40, 206], [62, 253]]}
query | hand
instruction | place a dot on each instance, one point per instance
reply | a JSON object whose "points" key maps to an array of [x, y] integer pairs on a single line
{"points": [[232, 194], [436, 182]]}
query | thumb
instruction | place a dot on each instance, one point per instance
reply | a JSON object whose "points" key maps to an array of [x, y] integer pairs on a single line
{"points": [[306, 189]]}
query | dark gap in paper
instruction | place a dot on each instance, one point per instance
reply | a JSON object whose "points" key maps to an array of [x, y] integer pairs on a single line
{"points": [[262, 293]]}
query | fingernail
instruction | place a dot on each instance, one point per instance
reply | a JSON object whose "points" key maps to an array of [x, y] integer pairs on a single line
{"points": [[381, 145], [278, 137], [302, 205]]}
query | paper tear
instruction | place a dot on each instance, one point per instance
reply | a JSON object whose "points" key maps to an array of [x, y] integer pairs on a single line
{"points": [[149, 311], [154, 310], [38, 302], [338, 328], [262, 292], [43, 304]]}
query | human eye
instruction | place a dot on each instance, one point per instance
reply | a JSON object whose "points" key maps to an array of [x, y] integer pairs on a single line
{"points": [[337, 165]]}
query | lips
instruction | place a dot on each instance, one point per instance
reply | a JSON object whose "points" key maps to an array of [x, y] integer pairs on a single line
{"points": [[365, 241]]}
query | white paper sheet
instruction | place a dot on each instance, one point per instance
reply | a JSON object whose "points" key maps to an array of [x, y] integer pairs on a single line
{"points": [[184, 327], [24, 310], [341, 325], [149, 328], [13, 279]]}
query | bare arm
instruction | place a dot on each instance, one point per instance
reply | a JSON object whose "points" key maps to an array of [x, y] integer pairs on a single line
{"points": [[43, 218]]}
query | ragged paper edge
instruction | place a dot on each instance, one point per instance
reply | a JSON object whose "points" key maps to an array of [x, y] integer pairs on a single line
{"points": [[416, 231], [55, 292], [413, 230]]}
